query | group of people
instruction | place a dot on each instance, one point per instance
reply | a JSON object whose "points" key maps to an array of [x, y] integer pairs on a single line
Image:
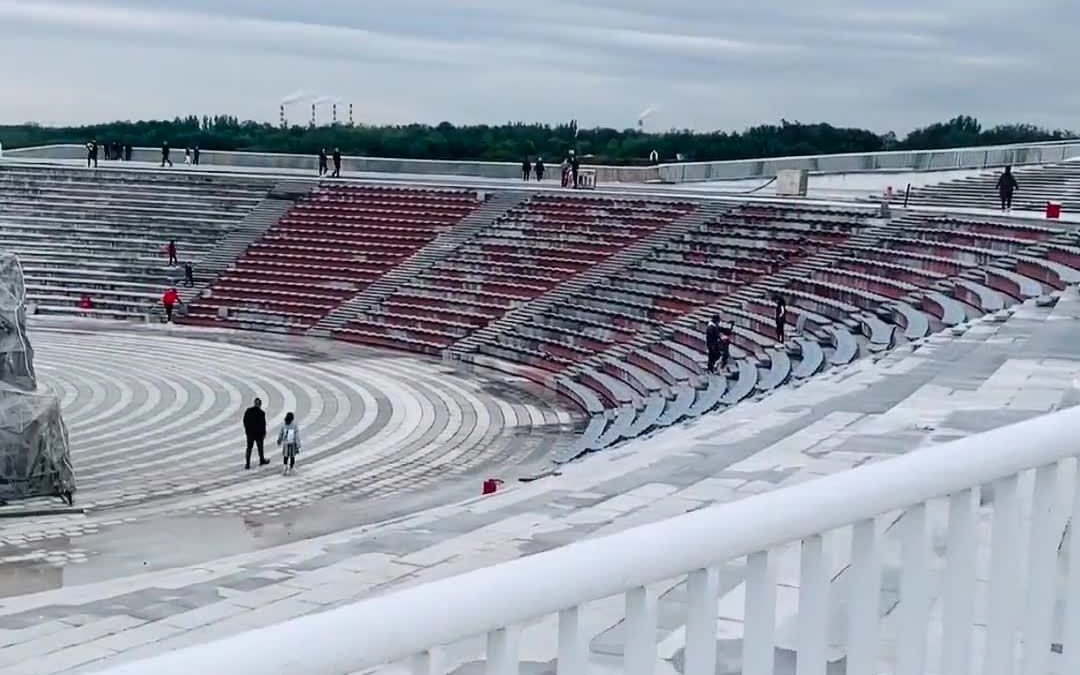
{"points": [[288, 438], [323, 164], [718, 337], [569, 169], [112, 151]]}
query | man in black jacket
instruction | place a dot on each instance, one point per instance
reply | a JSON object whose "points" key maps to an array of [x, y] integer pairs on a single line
{"points": [[337, 162], [1006, 186], [712, 343], [255, 430]]}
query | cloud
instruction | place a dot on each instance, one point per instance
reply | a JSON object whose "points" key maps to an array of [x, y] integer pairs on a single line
{"points": [[698, 64]]}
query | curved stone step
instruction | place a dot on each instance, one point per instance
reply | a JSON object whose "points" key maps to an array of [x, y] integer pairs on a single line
{"points": [[678, 407], [986, 299], [779, 370], [648, 417], [709, 397], [949, 310], [617, 428], [744, 385], [811, 358], [845, 346], [914, 322]]}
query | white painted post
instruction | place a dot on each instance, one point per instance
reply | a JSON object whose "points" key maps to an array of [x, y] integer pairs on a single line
{"points": [[813, 608], [914, 594], [572, 656], [864, 599], [702, 587], [1004, 605], [424, 663], [1042, 572], [959, 590], [639, 650], [502, 652], [759, 628], [1071, 637]]}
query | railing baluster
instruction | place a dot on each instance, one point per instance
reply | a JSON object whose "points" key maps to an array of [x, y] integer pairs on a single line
{"points": [[864, 599], [572, 655], [1042, 572], [1004, 604], [1070, 640], [914, 594], [639, 650], [813, 608], [702, 587], [424, 663], [759, 626], [502, 652], [959, 590]]}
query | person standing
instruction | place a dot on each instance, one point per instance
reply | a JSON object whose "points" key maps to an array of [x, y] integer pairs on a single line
{"points": [[171, 250], [539, 169], [128, 151], [526, 170], [322, 162], [91, 154], [712, 343], [575, 165], [189, 275], [170, 300], [780, 315], [195, 156], [337, 162], [1007, 185], [187, 156], [289, 441], [255, 431], [165, 154]]}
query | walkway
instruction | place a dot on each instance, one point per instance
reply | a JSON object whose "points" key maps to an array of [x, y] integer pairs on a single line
{"points": [[965, 381]]}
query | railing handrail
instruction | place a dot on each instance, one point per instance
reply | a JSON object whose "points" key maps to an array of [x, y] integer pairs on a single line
{"points": [[397, 625]]}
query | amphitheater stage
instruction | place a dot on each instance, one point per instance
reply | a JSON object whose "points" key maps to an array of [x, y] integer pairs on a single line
{"points": [[98, 604], [154, 415]]}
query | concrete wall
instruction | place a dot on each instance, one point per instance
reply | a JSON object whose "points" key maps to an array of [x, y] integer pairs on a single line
{"points": [[923, 160]]}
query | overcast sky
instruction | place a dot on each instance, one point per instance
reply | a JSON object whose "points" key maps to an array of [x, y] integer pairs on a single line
{"points": [[704, 64]]}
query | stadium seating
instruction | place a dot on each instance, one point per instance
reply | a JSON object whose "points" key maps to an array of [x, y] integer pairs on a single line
{"points": [[102, 233], [519, 257], [328, 248], [1038, 185]]}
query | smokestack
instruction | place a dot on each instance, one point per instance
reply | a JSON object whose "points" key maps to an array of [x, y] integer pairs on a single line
{"points": [[282, 116], [350, 115], [313, 115], [335, 115]]}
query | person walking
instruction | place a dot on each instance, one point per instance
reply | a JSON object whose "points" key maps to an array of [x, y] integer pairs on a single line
{"points": [[289, 441], [526, 170], [187, 156], [165, 155], [189, 275], [712, 343], [780, 315], [91, 154], [1007, 185], [322, 162], [170, 300], [171, 250], [539, 171], [337, 162], [255, 431], [195, 156]]}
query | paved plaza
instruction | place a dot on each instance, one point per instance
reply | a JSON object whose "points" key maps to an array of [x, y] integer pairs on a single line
{"points": [[180, 546]]}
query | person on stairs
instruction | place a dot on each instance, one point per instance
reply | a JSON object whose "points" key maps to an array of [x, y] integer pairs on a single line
{"points": [[1007, 185], [336, 156], [780, 314], [289, 441], [171, 250], [255, 432], [712, 343], [322, 162], [91, 154], [170, 300], [189, 275]]}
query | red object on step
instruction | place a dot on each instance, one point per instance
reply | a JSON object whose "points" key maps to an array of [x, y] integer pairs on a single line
{"points": [[1053, 210], [491, 485]]}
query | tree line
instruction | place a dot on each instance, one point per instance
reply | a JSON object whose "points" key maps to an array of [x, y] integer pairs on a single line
{"points": [[513, 142]]}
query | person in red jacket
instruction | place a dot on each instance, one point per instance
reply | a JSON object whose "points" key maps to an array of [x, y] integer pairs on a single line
{"points": [[170, 300], [86, 305]]}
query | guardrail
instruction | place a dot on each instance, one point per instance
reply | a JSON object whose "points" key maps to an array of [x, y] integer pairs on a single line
{"points": [[917, 160], [869, 503]]}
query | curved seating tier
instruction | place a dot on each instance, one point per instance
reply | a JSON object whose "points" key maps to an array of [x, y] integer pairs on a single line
{"points": [[515, 260], [102, 233], [330, 246]]}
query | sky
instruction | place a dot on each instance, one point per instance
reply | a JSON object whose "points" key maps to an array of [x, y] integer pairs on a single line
{"points": [[701, 64]]}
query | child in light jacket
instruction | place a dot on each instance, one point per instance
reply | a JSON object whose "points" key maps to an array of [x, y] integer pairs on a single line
{"points": [[289, 441]]}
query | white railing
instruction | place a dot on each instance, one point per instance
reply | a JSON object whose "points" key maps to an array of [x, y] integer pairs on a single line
{"points": [[868, 504]]}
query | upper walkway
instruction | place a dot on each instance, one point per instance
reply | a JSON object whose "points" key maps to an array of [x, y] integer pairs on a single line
{"points": [[989, 373]]}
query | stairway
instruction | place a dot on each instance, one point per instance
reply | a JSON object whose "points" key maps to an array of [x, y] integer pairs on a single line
{"points": [[443, 245], [628, 257], [233, 245]]}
